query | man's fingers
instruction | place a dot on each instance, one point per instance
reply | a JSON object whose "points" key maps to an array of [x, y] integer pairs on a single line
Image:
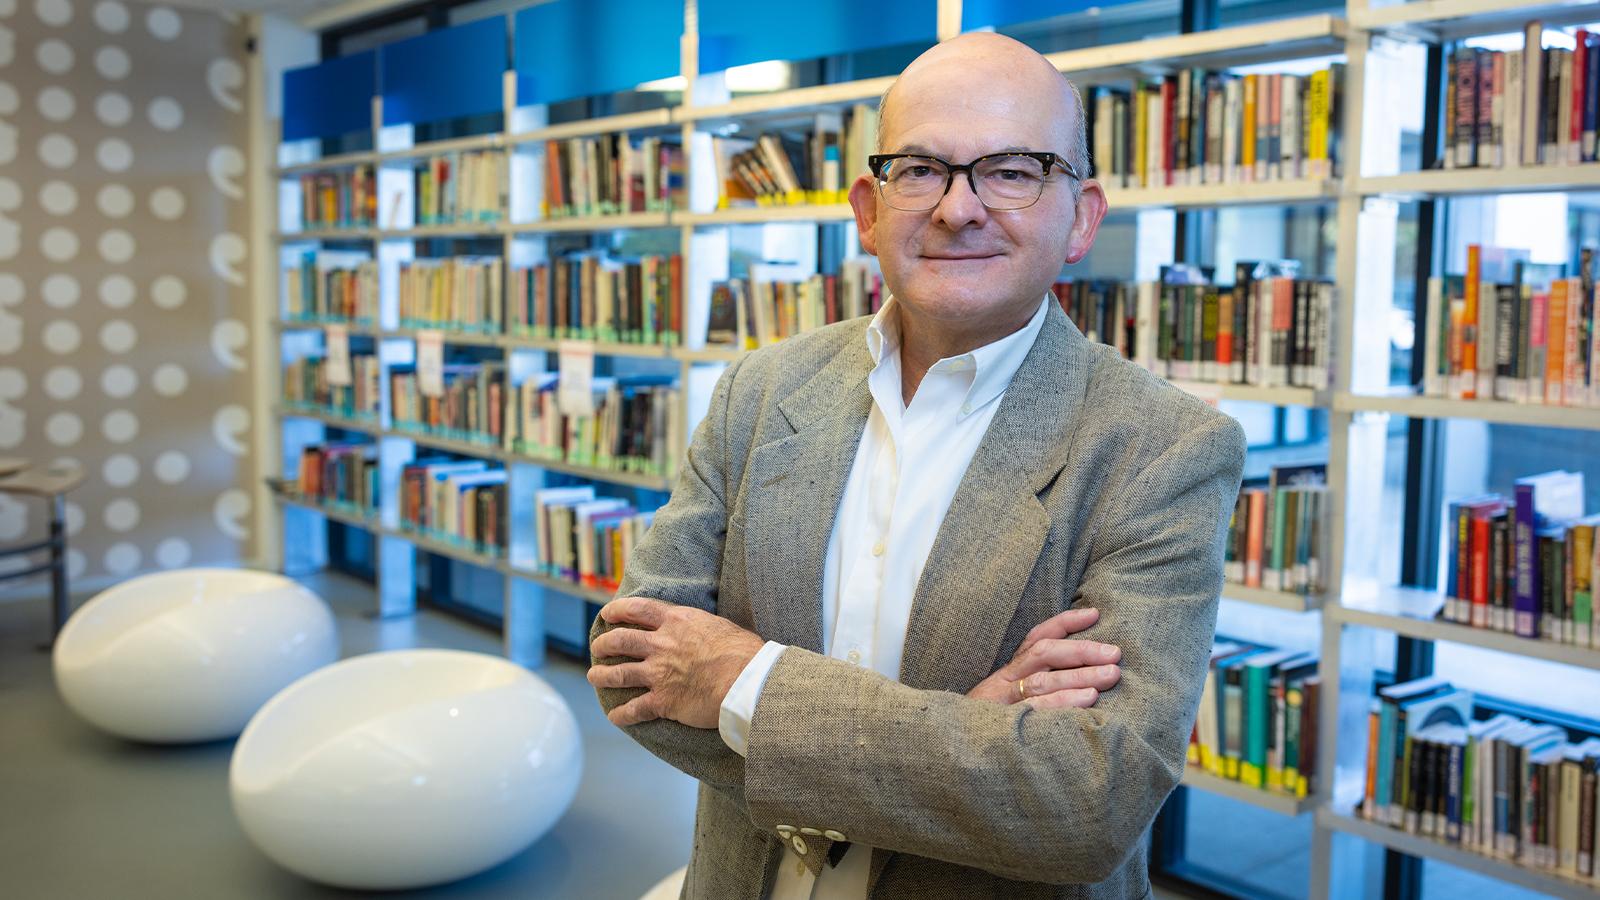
{"points": [[635, 611], [630, 642], [640, 709], [626, 675], [1076, 698], [1072, 653], [1060, 625], [1102, 678]]}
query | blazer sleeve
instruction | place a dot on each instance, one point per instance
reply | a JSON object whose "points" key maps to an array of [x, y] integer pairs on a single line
{"points": [[1059, 796], [679, 560]]}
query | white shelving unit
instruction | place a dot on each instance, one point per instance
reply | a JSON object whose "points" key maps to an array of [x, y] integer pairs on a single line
{"points": [[704, 244]]}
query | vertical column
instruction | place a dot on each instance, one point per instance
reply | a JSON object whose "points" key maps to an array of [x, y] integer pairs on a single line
{"points": [[524, 628]]}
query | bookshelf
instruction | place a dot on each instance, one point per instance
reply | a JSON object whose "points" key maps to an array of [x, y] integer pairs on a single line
{"points": [[1282, 804], [701, 230], [1329, 819]]}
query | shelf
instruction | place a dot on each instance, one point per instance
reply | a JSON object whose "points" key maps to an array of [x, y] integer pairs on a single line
{"points": [[755, 215], [1252, 393], [459, 338], [638, 121], [867, 89], [326, 163], [1239, 194], [1298, 38], [1275, 599], [1282, 804], [325, 234], [444, 548], [593, 223], [425, 232], [593, 595], [1450, 854], [1510, 180], [709, 355], [1449, 20], [1500, 411], [601, 348], [465, 448], [336, 515], [610, 476], [353, 330], [337, 421], [1409, 612], [488, 141]]}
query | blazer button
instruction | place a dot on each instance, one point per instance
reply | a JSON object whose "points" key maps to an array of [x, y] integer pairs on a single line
{"points": [[800, 845], [832, 835], [785, 830], [814, 832]]}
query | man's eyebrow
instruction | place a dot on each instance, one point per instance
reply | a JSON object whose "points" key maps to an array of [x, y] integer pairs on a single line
{"points": [[921, 150]]}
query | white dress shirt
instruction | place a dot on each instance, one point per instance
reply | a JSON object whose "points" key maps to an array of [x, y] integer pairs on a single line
{"points": [[910, 461]]}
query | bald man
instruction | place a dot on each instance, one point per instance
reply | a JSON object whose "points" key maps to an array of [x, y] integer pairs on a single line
{"points": [[930, 607]]}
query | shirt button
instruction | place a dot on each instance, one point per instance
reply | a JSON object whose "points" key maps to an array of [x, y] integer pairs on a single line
{"points": [[800, 845], [877, 549], [854, 656], [799, 868], [966, 408]]}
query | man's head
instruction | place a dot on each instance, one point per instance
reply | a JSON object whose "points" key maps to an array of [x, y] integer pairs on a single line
{"points": [[961, 266]]}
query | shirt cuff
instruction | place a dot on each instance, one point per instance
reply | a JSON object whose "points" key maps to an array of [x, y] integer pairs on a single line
{"points": [[739, 707]]}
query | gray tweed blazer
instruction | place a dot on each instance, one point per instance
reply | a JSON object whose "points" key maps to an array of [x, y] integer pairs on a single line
{"points": [[1097, 484]]}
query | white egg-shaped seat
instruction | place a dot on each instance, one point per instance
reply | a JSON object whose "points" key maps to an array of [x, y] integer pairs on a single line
{"points": [[189, 655], [406, 768]]}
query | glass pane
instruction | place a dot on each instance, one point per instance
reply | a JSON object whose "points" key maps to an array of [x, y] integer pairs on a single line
{"points": [[1245, 850], [1444, 882]]}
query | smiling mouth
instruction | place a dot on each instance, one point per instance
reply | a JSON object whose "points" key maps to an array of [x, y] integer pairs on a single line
{"points": [[952, 258]]}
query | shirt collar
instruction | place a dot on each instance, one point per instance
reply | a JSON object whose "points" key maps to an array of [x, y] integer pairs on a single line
{"points": [[994, 364]]}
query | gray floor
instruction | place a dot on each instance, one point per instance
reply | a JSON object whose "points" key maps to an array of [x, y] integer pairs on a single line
{"points": [[83, 815]]}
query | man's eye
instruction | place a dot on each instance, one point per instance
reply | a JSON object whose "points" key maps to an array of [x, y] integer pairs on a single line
{"points": [[918, 171]]}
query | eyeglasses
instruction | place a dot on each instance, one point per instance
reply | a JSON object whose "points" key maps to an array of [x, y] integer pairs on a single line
{"points": [[1001, 181]]}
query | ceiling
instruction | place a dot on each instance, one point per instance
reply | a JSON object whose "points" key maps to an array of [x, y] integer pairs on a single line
{"points": [[294, 10]]}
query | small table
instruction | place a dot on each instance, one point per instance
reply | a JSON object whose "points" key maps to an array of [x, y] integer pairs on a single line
{"points": [[51, 485]]}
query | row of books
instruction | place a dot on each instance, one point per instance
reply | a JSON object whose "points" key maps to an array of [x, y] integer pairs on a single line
{"points": [[456, 501], [1275, 533], [461, 293], [632, 426], [1268, 329], [612, 174], [1529, 107], [780, 300], [585, 539], [306, 385], [331, 287], [800, 165], [1197, 127], [1529, 339], [1257, 722], [347, 198], [471, 407], [343, 476], [594, 296], [460, 188], [1524, 564], [1504, 787]]}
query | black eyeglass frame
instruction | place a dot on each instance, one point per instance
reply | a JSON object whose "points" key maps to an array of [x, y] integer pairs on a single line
{"points": [[877, 161]]}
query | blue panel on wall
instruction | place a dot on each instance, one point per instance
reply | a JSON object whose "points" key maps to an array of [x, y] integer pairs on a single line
{"points": [[736, 32], [1000, 13], [331, 98], [575, 48], [444, 74]]}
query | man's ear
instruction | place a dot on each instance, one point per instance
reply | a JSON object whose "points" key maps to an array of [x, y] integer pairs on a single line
{"points": [[1086, 222], [864, 200]]}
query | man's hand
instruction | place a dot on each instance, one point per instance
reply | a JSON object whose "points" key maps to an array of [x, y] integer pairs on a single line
{"points": [[1051, 672], [688, 659]]}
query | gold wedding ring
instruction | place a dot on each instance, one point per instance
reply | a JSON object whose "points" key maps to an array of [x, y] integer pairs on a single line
{"points": [[1022, 688]]}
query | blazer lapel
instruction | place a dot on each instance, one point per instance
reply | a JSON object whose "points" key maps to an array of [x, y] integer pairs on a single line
{"points": [[986, 548], [795, 484]]}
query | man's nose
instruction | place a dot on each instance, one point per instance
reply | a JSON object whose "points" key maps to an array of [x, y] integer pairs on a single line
{"points": [[960, 206]]}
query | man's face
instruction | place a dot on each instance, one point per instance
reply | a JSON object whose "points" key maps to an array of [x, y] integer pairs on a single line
{"points": [[961, 263]]}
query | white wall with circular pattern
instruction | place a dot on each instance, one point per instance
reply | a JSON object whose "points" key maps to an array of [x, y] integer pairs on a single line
{"points": [[123, 276]]}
